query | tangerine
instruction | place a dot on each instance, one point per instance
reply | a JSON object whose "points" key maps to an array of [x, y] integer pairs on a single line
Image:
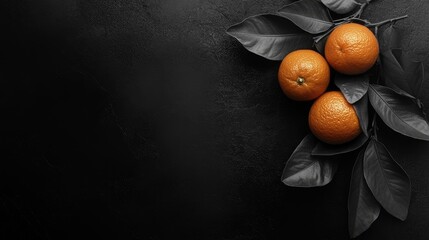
{"points": [[351, 49], [304, 75], [333, 120]]}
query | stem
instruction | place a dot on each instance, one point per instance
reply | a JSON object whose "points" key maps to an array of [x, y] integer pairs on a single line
{"points": [[343, 19], [378, 62], [366, 22], [356, 14], [386, 21], [320, 37], [361, 9], [377, 76], [374, 126]]}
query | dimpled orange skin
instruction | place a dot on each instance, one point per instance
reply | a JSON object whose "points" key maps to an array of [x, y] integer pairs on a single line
{"points": [[333, 120], [351, 49], [304, 75]]}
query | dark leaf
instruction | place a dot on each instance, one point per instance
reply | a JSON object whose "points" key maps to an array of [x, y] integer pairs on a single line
{"points": [[398, 90], [353, 87], [310, 15], [320, 43], [270, 36], [361, 108], [391, 38], [402, 73], [324, 149], [304, 170], [341, 6], [363, 207], [398, 112], [387, 180]]}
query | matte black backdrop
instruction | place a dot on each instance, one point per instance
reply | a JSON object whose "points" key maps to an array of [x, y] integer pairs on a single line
{"points": [[142, 119]]}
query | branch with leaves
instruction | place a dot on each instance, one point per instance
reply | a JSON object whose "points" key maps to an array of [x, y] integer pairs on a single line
{"points": [[389, 92]]}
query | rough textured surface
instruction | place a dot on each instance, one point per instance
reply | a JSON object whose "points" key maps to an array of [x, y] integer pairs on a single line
{"points": [[142, 119]]}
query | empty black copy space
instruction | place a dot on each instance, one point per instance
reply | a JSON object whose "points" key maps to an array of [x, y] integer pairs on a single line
{"points": [[142, 119]]}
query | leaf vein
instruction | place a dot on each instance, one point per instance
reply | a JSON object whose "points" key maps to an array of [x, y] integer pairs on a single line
{"points": [[382, 169], [391, 109], [302, 169], [306, 17], [272, 35]]}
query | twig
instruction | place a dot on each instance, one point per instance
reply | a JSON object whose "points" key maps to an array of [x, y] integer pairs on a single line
{"points": [[386, 21], [320, 37], [366, 22], [378, 61], [361, 9], [356, 14]]}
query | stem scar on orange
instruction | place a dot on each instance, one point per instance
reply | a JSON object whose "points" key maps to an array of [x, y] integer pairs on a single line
{"points": [[304, 75], [351, 49], [333, 120]]}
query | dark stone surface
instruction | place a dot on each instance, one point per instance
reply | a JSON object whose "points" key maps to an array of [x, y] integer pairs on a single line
{"points": [[142, 119]]}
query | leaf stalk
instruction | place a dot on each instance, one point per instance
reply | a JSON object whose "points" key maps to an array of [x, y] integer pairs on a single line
{"points": [[320, 37], [357, 14]]}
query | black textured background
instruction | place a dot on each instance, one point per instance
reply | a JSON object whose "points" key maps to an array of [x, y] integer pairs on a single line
{"points": [[142, 119]]}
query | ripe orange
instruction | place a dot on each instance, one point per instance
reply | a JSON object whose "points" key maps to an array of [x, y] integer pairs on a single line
{"points": [[351, 49], [333, 120], [304, 75]]}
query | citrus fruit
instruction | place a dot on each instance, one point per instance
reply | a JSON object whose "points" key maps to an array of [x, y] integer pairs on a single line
{"points": [[351, 49], [333, 120], [304, 75]]}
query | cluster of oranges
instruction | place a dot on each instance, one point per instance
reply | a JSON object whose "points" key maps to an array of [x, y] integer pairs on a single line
{"points": [[304, 75]]}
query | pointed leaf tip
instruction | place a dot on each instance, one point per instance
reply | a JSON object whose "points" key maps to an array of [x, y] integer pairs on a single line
{"points": [[353, 87], [304, 170], [362, 206], [388, 182]]}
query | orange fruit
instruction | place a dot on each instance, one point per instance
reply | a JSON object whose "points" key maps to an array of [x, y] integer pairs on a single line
{"points": [[304, 75], [333, 120], [351, 49]]}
